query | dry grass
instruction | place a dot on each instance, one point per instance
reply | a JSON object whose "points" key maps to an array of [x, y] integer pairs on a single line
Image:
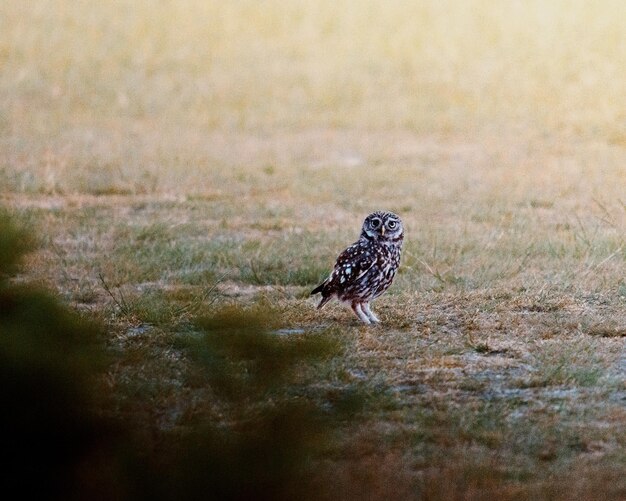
{"points": [[170, 146]]}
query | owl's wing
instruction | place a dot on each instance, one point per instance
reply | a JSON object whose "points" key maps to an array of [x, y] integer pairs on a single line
{"points": [[351, 265]]}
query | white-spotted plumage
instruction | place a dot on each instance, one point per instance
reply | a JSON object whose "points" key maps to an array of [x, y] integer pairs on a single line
{"points": [[367, 268]]}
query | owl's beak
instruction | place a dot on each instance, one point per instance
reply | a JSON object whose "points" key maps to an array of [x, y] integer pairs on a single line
{"points": [[382, 231]]}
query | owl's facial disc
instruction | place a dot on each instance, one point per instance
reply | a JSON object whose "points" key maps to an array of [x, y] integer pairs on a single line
{"points": [[382, 226]]}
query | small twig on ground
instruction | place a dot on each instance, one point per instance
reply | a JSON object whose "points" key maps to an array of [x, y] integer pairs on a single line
{"points": [[433, 272], [199, 300], [592, 268], [121, 303]]}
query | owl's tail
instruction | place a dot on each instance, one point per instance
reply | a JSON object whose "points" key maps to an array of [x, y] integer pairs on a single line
{"points": [[320, 289]]}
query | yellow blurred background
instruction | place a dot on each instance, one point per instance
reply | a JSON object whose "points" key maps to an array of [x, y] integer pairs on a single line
{"points": [[134, 85]]}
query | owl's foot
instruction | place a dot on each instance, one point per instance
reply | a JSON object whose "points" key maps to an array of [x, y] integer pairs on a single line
{"points": [[370, 314], [357, 308]]}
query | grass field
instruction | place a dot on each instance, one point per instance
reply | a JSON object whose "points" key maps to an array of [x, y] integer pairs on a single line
{"points": [[179, 157]]}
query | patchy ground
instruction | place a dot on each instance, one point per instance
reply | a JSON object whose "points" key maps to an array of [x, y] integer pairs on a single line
{"points": [[487, 379]]}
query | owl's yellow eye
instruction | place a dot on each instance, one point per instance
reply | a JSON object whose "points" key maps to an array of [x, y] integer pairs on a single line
{"points": [[375, 223], [391, 225]]}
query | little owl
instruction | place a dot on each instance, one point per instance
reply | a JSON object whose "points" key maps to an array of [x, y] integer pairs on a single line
{"points": [[366, 269]]}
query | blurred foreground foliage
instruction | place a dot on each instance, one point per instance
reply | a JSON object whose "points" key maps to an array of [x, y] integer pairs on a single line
{"points": [[50, 360], [273, 421], [271, 413]]}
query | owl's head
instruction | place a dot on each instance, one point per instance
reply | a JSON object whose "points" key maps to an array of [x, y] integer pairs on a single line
{"points": [[383, 226]]}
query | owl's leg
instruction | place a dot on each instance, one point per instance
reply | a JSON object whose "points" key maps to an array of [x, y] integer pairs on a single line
{"points": [[356, 307], [369, 312]]}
